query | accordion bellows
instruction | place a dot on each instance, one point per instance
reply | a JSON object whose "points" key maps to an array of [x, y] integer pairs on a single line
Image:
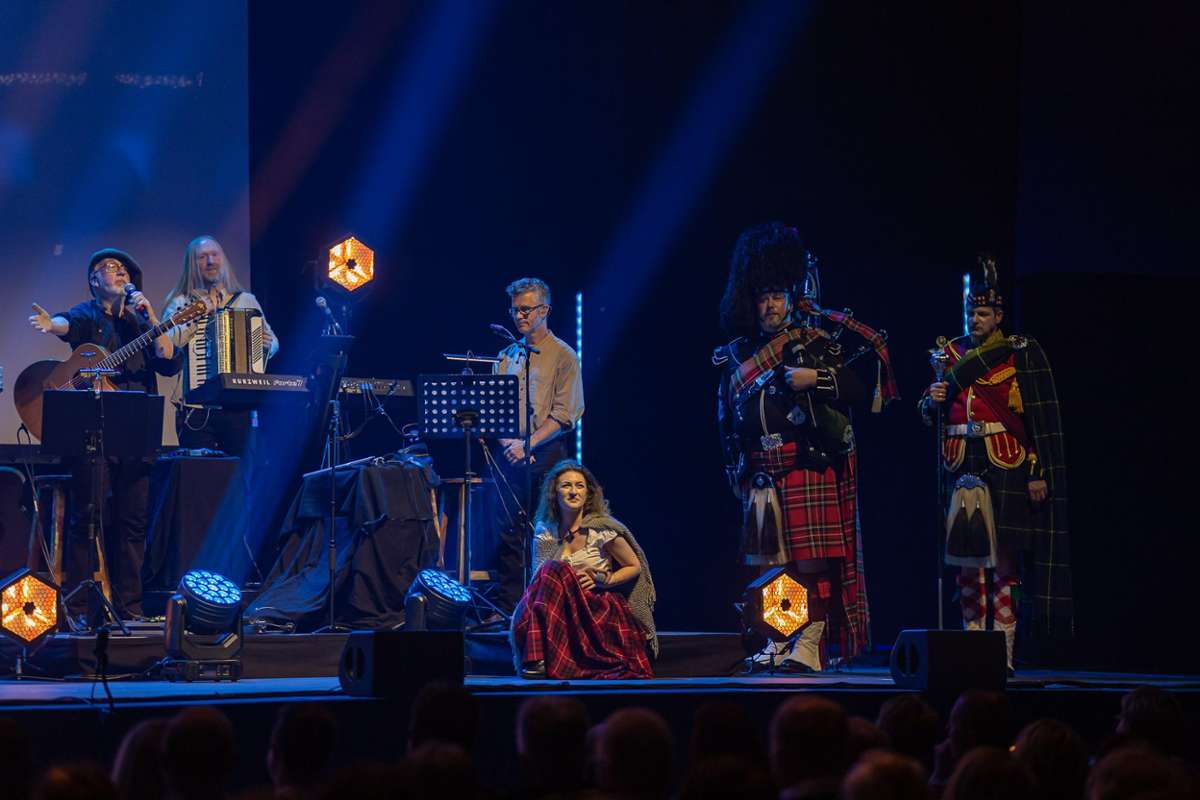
{"points": [[228, 341]]}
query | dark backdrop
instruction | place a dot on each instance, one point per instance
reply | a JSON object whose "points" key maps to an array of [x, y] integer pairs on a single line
{"points": [[475, 143]]}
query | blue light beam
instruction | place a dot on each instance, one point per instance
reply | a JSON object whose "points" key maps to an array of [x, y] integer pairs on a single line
{"points": [[726, 94], [579, 352], [421, 97]]}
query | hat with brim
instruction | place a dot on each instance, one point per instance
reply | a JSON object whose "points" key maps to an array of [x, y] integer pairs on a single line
{"points": [[131, 266]]}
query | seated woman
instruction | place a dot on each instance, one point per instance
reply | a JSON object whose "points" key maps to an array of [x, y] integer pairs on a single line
{"points": [[588, 612]]}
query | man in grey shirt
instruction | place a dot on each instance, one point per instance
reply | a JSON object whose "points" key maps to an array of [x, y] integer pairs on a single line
{"points": [[556, 384]]}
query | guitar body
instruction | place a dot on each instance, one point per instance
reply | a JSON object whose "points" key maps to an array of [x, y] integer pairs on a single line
{"points": [[39, 376]]}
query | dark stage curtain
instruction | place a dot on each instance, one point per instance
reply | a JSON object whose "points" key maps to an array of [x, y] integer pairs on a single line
{"points": [[385, 535]]}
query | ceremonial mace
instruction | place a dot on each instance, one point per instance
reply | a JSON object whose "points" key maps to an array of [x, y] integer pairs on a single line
{"points": [[939, 360]]}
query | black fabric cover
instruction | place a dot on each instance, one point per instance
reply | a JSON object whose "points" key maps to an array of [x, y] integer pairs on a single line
{"points": [[14, 522], [385, 535], [187, 495]]}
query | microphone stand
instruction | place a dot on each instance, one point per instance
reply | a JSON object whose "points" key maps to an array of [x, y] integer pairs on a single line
{"points": [[525, 522]]}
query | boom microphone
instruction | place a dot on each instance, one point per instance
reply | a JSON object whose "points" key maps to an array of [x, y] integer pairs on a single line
{"points": [[505, 333], [323, 304]]}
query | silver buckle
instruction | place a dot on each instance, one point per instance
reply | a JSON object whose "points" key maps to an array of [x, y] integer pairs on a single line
{"points": [[975, 428], [772, 441]]}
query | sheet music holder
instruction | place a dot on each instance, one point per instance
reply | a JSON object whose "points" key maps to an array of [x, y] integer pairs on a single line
{"points": [[98, 425], [128, 424], [495, 398]]}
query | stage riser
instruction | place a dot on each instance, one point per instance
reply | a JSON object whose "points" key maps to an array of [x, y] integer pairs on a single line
{"points": [[310, 655]]}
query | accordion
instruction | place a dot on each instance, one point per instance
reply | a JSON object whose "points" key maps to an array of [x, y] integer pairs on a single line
{"points": [[230, 340]]}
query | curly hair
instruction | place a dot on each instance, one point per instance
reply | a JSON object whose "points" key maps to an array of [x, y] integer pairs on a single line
{"points": [[548, 513], [769, 256]]}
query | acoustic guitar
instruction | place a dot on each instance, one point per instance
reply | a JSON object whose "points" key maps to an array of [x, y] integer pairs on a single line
{"points": [[41, 376]]}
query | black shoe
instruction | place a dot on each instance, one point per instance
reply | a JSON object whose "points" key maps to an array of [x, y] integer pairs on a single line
{"points": [[533, 670]]}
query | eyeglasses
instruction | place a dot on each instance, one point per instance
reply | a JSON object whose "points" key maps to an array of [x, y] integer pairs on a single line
{"points": [[524, 311], [112, 268]]}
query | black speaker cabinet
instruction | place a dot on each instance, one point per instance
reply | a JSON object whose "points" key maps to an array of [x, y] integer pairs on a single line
{"points": [[399, 663], [949, 662]]}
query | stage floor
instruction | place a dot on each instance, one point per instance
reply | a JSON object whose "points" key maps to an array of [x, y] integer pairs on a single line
{"points": [[44, 694]]}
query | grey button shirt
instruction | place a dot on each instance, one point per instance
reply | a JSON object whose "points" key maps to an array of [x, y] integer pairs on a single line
{"points": [[554, 377]]}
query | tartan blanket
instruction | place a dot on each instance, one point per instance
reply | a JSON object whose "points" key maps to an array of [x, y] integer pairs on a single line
{"points": [[745, 379], [579, 634], [820, 521]]}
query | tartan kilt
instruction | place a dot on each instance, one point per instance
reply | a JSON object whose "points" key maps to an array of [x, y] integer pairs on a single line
{"points": [[820, 521], [1011, 506], [819, 506], [578, 633]]}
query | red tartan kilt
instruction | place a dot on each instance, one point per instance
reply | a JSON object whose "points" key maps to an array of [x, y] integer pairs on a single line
{"points": [[819, 507], [578, 633]]}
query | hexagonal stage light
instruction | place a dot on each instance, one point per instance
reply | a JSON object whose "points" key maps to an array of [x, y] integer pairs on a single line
{"points": [[351, 265], [776, 605], [28, 607]]}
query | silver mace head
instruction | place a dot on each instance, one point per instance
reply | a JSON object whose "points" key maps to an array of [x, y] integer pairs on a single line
{"points": [[938, 359]]}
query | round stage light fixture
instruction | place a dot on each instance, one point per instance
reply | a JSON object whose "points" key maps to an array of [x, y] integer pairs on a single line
{"points": [[203, 631], [351, 265], [776, 605], [435, 602], [28, 607], [212, 601]]}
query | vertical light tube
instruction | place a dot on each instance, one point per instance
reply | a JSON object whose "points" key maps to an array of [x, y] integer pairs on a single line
{"points": [[579, 352], [966, 302]]}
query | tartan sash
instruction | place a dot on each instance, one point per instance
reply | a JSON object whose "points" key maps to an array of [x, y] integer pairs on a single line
{"points": [[975, 363], [746, 378]]}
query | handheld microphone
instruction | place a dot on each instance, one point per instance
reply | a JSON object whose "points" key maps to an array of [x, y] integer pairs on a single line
{"points": [[130, 290], [323, 304]]}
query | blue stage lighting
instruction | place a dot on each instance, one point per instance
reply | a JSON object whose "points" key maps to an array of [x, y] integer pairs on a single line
{"points": [[966, 303], [435, 602], [212, 600], [203, 631], [579, 352], [726, 93]]}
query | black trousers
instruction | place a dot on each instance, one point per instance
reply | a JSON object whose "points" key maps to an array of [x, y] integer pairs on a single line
{"points": [[124, 497], [513, 550]]}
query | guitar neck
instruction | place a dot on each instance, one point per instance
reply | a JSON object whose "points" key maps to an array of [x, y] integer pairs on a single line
{"points": [[119, 357]]}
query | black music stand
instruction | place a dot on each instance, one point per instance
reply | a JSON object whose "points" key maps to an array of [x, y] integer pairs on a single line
{"points": [[450, 406], [97, 425], [333, 353]]}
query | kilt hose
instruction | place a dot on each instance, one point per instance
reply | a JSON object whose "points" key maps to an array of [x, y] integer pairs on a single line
{"points": [[1016, 526], [820, 521], [578, 633]]}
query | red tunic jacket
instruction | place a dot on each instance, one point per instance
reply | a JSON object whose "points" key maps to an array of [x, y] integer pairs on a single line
{"points": [[996, 397]]}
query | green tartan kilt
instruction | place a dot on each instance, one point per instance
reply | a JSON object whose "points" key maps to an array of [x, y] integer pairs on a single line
{"points": [[1011, 507]]}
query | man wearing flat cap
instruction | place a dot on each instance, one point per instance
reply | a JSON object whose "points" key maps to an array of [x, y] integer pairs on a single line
{"points": [[111, 319]]}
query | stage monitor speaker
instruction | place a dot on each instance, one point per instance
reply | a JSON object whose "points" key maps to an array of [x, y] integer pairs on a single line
{"points": [[399, 663], [949, 662]]}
